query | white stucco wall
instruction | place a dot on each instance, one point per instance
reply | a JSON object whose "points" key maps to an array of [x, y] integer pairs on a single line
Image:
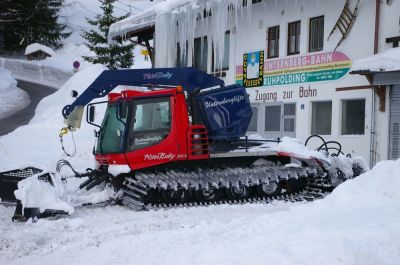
{"points": [[249, 34]]}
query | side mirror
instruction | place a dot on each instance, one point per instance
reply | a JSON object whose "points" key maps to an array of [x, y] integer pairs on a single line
{"points": [[122, 109], [91, 113], [74, 93]]}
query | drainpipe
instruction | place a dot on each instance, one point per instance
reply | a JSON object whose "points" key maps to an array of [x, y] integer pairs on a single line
{"points": [[376, 47], [377, 21]]}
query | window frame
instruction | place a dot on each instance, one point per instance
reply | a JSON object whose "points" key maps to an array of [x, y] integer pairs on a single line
{"points": [[310, 34], [269, 56], [298, 36]]}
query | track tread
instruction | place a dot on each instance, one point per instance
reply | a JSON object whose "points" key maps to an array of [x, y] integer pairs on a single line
{"points": [[138, 187]]}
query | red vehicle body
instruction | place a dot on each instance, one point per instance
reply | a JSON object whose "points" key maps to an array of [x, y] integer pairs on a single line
{"points": [[183, 142]]}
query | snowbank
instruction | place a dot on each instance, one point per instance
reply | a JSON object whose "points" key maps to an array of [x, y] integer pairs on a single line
{"points": [[12, 99], [388, 60], [64, 58], [37, 144], [35, 72], [359, 223]]}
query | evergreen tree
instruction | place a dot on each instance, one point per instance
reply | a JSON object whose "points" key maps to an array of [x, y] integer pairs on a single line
{"points": [[115, 55], [25, 22]]}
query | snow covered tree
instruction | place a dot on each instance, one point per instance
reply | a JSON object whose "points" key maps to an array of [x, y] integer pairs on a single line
{"points": [[115, 55], [25, 22]]}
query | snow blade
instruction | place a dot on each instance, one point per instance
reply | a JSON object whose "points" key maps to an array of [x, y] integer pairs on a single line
{"points": [[9, 180], [23, 214]]}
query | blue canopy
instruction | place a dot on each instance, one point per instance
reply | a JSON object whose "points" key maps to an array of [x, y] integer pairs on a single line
{"points": [[187, 77]]}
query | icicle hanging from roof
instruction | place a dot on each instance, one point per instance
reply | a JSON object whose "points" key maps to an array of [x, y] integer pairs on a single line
{"points": [[212, 17]]}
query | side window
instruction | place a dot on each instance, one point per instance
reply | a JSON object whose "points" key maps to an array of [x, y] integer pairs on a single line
{"points": [[273, 42], [316, 34], [294, 38], [109, 140], [353, 116], [321, 121], [151, 122]]}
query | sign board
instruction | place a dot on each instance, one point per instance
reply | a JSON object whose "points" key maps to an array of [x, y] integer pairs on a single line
{"points": [[316, 67], [253, 69]]}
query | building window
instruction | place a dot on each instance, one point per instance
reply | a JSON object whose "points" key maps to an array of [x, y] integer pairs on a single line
{"points": [[216, 61], [244, 2], [294, 38], [321, 118], [316, 34], [200, 53], [273, 42], [181, 56], [273, 118], [353, 116], [253, 121], [289, 117]]}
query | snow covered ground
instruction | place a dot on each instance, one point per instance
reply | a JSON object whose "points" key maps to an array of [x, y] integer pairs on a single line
{"points": [[359, 223], [12, 98]]}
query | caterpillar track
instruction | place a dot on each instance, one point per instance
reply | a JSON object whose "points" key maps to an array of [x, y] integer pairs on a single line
{"points": [[152, 190]]}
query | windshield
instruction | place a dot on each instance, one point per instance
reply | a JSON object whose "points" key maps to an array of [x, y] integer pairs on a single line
{"points": [[112, 132], [151, 122]]}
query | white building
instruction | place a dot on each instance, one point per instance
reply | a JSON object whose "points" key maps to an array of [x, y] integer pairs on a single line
{"points": [[293, 56]]}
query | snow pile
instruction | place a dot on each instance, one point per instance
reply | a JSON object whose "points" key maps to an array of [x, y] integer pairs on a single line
{"points": [[381, 183], [34, 47], [358, 223], [37, 144], [33, 192], [63, 194], [12, 99], [287, 146], [294, 147], [388, 60]]}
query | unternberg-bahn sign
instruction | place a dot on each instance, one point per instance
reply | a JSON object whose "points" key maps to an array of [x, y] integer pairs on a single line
{"points": [[326, 66]]}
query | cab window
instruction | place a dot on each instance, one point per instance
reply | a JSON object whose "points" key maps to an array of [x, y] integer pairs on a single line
{"points": [[151, 122]]}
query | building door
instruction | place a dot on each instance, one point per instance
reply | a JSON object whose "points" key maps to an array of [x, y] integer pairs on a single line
{"points": [[394, 123], [279, 120]]}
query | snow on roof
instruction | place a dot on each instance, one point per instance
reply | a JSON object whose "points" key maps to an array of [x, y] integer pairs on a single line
{"points": [[145, 18], [388, 60], [34, 47]]}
